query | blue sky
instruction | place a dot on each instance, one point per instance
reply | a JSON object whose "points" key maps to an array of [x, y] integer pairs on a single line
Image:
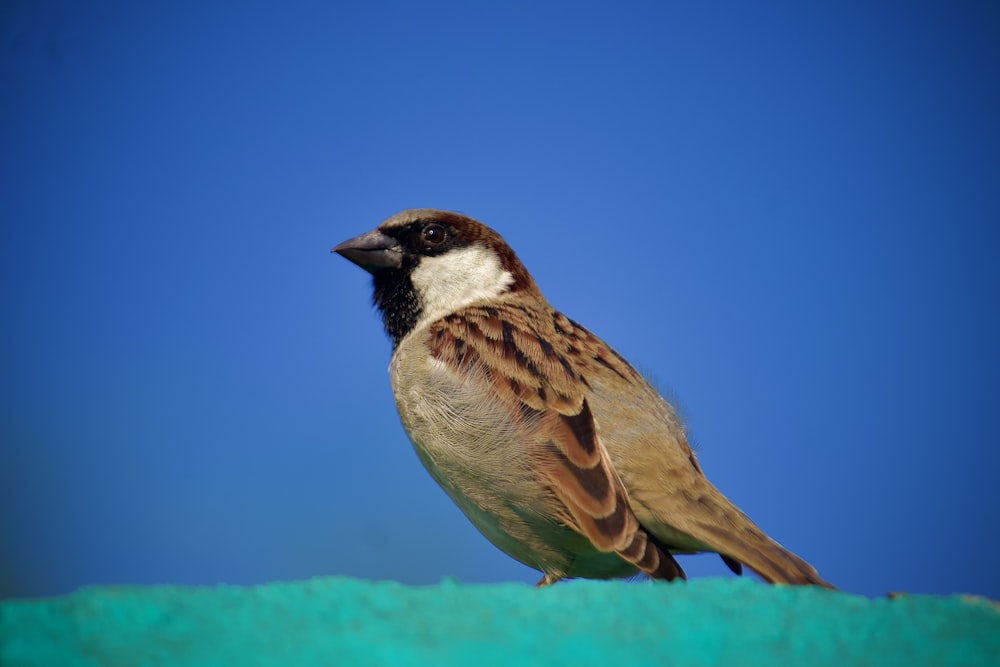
{"points": [[786, 213]]}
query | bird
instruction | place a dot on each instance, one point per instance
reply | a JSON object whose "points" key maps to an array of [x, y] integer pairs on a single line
{"points": [[558, 451]]}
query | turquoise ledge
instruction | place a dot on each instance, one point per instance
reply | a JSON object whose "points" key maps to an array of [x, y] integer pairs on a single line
{"points": [[339, 621]]}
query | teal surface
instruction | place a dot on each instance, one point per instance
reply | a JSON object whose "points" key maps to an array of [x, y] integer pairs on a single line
{"points": [[335, 621]]}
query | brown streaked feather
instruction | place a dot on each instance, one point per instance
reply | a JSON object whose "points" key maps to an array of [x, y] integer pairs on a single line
{"points": [[537, 376], [489, 335], [651, 558]]}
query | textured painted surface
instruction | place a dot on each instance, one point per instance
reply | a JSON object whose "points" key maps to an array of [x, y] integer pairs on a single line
{"points": [[346, 621]]}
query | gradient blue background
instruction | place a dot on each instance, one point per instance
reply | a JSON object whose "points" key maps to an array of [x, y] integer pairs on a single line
{"points": [[786, 213]]}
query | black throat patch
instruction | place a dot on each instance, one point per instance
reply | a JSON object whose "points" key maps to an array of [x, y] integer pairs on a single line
{"points": [[398, 303]]}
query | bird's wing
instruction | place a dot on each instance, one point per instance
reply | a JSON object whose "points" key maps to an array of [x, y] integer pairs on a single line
{"points": [[512, 344]]}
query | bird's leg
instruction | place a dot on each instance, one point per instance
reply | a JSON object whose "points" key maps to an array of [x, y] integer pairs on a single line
{"points": [[547, 580]]}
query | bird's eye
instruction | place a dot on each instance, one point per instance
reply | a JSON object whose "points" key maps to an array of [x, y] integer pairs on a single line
{"points": [[433, 235]]}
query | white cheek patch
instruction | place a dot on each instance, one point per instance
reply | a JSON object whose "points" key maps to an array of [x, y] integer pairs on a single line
{"points": [[457, 278]]}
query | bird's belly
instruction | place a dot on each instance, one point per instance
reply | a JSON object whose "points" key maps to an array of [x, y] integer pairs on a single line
{"points": [[482, 456]]}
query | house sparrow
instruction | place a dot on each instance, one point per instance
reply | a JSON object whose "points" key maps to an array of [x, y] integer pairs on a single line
{"points": [[555, 448]]}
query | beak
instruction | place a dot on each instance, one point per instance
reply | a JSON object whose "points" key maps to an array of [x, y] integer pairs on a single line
{"points": [[373, 252]]}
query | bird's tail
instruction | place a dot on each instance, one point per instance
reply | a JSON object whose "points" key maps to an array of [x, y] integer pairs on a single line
{"points": [[774, 563], [713, 523]]}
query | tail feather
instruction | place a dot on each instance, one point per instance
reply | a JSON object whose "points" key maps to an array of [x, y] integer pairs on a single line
{"points": [[713, 523], [770, 560], [734, 565]]}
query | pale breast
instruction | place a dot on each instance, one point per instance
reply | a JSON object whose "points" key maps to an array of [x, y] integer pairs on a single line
{"points": [[480, 453]]}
